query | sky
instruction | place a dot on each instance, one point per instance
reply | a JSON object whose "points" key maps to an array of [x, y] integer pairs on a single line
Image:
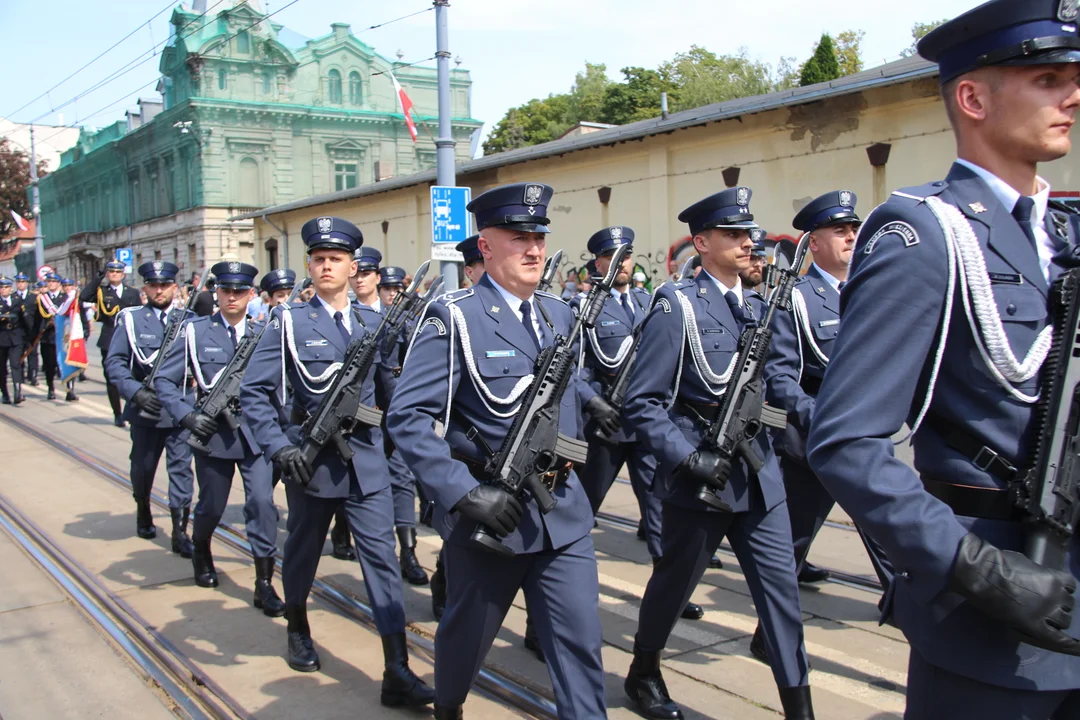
{"points": [[514, 50]]}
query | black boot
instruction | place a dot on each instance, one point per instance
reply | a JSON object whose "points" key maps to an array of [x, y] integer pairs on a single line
{"points": [[410, 566], [5, 399], [18, 394], [265, 598], [532, 642], [757, 645], [202, 561], [71, 396], [813, 574], [645, 686], [796, 702], [715, 563], [181, 543], [144, 520], [339, 537], [302, 655], [448, 713], [400, 685], [438, 589], [641, 529], [51, 395]]}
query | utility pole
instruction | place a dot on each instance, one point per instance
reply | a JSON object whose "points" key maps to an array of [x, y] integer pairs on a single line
{"points": [[444, 145], [35, 201]]}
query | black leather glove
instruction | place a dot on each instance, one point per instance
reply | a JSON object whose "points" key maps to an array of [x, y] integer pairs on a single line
{"points": [[606, 417], [146, 399], [707, 467], [199, 424], [494, 508], [290, 461], [102, 280], [1034, 601]]}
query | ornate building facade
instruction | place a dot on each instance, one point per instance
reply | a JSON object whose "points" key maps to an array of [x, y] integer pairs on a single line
{"points": [[250, 115]]}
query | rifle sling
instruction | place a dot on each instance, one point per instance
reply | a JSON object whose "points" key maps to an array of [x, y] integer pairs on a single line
{"points": [[981, 456]]}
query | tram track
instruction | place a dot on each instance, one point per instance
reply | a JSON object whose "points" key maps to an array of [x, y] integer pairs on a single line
{"points": [[508, 688], [187, 691]]}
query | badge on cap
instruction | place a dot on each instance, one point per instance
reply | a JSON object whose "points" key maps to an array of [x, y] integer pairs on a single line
{"points": [[158, 266], [325, 224], [1068, 10], [616, 233], [845, 198], [280, 273], [533, 193], [742, 196]]}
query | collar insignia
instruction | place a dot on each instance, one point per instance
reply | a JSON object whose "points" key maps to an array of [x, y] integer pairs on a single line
{"points": [[977, 207], [494, 308], [702, 291]]}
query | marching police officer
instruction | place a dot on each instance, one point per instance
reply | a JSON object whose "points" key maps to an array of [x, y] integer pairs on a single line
{"points": [[135, 345], [365, 283], [402, 482], [29, 302], [471, 258], [688, 355], [466, 368], [278, 285], [107, 297], [50, 301], [759, 257], [307, 342], [13, 333], [949, 286], [203, 352]]}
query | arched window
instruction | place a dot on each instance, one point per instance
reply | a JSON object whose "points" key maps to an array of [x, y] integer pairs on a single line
{"points": [[248, 190], [221, 79], [356, 92], [243, 42], [335, 87]]}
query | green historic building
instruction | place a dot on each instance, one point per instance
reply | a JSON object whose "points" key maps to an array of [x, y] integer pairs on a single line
{"points": [[251, 115]]}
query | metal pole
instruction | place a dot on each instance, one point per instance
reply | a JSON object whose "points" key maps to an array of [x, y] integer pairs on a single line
{"points": [[444, 145], [35, 202]]}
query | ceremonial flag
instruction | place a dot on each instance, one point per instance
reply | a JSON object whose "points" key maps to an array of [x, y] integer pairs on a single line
{"points": [[23, 225], [406, 106], [71, 346]]}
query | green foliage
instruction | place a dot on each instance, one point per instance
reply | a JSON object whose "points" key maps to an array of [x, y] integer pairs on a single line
{"points": [[918, 32], [537, 121], [822, 65], [636, 98], [14, 185], [701, 77], [849, 51]]}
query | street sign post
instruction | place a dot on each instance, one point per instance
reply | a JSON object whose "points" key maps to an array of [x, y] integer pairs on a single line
{"points": [[449, 216], [43, 271], [126, 256]]}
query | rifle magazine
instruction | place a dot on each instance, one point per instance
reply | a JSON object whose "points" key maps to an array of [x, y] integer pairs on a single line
{"points": [[571, 450]]}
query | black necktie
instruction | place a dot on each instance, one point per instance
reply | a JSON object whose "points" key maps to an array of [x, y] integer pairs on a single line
{"points": [[625, 299], [526, 320], [232, 336], [340, 322], [840, 286], [161, 318], [737, 311], [1023, 211]]}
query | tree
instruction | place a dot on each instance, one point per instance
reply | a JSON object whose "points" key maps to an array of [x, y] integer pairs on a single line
{"points": [[587, 93], [918, 32], [14, 185], [788, 72], [636, 98], [701, 77], [822, 65], [849, 51], [535, 122]]}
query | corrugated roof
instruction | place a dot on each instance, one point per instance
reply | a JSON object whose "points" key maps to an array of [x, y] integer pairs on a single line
{"points": [[912, 68]]}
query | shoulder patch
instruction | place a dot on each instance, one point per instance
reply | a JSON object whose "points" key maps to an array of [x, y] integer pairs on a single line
{"points": [[902, 229], [436, 323], [664, 304]]}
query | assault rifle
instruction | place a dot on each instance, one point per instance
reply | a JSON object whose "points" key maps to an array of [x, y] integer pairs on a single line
{"points": [[550, 268], [534, 448], [223, 400], [172, 330], [742, 413], [1049, 491], [340, 410]]}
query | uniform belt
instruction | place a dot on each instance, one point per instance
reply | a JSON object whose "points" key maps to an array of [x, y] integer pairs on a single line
{"points": [[478, 469], [701, 412], [810, 385], [976, 502], [981, 456]]}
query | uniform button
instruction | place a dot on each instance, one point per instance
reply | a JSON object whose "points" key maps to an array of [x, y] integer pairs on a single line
{"points": [[1011, 309], [716, 346], [939, 183], [506, 371]]}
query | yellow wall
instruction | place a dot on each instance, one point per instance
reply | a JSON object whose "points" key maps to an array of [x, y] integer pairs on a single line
{"points": [[787, 156]]}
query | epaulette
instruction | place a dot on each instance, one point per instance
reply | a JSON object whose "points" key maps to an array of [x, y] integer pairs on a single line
{"points": [[919, 193], [455, 295], [683, 284], [545, 294]]}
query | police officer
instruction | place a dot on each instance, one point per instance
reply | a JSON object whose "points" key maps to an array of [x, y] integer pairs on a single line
{"points": [[313, 337], [13, 333], [991, 633], [669, 406], [365, 283], [472, 350], [278, 285], [106, 298], [131, 354], [402, 482], [755, 273], [472, 258], [29, 302], [50, 300], [203, 352]]}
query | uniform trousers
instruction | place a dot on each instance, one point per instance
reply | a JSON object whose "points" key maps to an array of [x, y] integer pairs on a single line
{"points": [[147, 444], [937, 694], [215, 477], [602, 467], [561, 588], [403, 488], [48, 360], [761, 540], [31, 363], [11, 358], [809, 504], [369, 518]]}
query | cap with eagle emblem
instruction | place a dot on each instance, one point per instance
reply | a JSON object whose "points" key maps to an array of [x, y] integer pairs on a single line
{"points": [[232, 275], [607, 240], [725, 209], [521, 206], [331, 233], [158, 271], [832, 208], [281, 279]]}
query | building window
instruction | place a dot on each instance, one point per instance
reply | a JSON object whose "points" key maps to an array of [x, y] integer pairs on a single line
{"points": [[221, 78], [334, 80], [356, 95], [243, 42], [247, 188], [345, 176], [266, 83], [272, 252]]}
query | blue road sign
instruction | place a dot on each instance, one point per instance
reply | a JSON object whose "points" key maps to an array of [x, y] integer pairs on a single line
{"points": [[126, 256], [449, 218]]}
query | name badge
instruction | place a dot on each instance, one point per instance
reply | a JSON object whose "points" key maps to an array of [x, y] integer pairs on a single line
{"points": [[499, 353], [1006, 278], [144, 336], [605, 323], [212, 349], [706, 331], [315, 343], [829, 323]]}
